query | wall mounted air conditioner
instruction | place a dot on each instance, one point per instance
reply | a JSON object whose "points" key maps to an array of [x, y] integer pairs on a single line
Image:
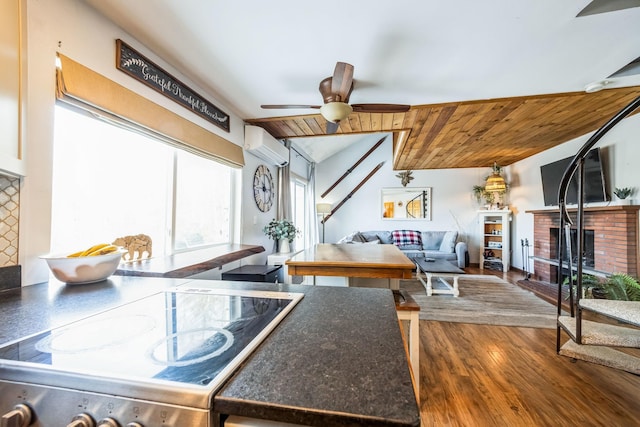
{"points": [[258, 141]]}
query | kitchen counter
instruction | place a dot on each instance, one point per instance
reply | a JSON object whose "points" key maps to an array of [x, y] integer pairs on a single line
{"points": [[31, 309], [336, 360], [189, 263]]}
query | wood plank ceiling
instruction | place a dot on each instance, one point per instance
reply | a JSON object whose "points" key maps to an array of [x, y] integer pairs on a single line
{"points": [[472, 133]]}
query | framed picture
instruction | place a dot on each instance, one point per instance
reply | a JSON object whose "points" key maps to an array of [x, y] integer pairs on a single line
{"points": [[406, 203]]}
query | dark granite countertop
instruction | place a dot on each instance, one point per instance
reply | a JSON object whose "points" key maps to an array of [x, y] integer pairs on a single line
{"points": [[336, 360], [31, 309]]}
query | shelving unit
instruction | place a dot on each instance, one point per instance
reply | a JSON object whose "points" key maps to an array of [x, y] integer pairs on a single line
{"points": [[495, 246]]}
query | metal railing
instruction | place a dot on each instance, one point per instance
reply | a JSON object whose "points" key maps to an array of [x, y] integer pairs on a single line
{"points": [[577, 166]]}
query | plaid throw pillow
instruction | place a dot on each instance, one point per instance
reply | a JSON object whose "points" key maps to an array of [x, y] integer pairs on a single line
{"points": [[407, 239]]}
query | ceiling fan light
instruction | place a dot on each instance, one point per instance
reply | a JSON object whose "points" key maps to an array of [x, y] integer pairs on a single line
{"points": [[335, 111]]}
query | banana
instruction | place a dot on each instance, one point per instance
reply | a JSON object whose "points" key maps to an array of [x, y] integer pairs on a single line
{"points": [[94, 248], [99, 249], [104, 250]]}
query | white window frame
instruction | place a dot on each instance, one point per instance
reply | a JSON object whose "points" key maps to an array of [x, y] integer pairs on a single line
{"points": [[295, 181], [170, 215]]}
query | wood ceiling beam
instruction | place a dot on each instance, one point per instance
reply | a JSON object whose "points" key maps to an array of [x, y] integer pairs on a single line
{"points": [[471, 133]]}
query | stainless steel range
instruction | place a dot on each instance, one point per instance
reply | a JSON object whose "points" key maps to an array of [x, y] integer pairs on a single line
{"points": [[157, 361]]}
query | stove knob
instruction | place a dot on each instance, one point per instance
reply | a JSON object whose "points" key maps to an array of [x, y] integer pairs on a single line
{"points": [[134, 424], [19, 416], [108, 422], [82, 420]]}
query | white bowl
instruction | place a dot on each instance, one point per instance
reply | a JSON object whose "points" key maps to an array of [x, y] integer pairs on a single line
{"points": [[86, 269]]}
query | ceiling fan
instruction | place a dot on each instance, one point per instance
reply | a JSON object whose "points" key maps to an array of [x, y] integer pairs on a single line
{"points": [[604, 6], [335, 91]]}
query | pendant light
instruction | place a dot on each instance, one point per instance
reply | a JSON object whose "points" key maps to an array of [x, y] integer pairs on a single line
{"points": [[495, 182]]}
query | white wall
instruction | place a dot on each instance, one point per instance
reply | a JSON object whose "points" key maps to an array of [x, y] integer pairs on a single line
{"points": [[452, 205], [620, 151], [76, 30], [253, 219]]}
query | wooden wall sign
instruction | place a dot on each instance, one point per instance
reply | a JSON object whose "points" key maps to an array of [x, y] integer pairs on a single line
{"points": [[140, 68]]}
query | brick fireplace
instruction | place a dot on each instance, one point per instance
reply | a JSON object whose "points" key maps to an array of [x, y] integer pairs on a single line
{"points": [[613, 230]]}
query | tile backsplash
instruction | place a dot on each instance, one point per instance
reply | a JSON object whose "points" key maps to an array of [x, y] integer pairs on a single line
{"points": [[9, 220]]}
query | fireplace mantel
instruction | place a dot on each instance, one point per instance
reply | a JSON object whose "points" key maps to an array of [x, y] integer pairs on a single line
{"points": [[616, 238], [588, 209]]}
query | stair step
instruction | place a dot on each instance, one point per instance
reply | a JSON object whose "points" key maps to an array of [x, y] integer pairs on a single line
{"points": [[602, 356], [624, 311], [594, 333]]}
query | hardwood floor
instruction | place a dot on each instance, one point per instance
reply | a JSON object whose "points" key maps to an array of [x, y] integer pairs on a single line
{"points": [[481, 375]]}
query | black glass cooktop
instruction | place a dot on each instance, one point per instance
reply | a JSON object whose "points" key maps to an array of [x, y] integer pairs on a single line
{"points": [[194, 336]]}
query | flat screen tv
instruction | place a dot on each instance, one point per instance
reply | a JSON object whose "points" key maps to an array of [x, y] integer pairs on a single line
{"points": [[594, 182]]}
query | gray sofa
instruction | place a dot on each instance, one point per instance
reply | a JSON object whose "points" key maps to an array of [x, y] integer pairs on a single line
{"points": [[428, 244]]}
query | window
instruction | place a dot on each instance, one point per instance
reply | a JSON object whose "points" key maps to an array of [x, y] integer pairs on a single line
{"points": [[202, 217], [110, 182], [298, 204]]}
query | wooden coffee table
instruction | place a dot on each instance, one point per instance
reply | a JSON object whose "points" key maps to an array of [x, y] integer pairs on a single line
{"points": [[441, 269]]}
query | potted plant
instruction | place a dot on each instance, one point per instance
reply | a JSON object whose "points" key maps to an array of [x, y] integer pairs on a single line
{"points": [[623, 193], [282, 231], [478, 191], [621, 286], [480, 194], [591, 285], [617, 286]]}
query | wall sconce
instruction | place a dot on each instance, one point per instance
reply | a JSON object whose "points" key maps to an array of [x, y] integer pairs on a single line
{"points": [[495, 182], [323, 209]]}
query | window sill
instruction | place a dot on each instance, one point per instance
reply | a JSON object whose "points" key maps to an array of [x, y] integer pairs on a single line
{"points": [[188, 263]]}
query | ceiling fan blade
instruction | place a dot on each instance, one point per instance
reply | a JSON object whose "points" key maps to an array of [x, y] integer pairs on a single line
{"points": [[332, 127], [604, 6], [270, 106], [342, 81], [380, 108]]}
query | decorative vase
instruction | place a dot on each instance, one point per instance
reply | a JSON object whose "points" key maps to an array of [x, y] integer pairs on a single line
{"points": [[284, 246]]}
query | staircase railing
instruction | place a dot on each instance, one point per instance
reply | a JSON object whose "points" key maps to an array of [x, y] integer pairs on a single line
{"points": [[409, 207], [577, 165]]}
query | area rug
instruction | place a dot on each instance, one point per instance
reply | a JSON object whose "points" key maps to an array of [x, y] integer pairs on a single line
{"points": [[486, 300]]}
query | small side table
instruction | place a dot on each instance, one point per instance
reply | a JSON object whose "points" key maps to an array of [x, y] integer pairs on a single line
{"points": [[408, 309], [279, 258]]}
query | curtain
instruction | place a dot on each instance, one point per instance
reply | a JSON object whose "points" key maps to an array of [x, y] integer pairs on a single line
{"points": [[283, 194], [285, 210], [312, 214], [91, 92]]}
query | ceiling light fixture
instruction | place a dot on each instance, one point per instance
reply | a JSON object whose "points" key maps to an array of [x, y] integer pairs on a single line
{"points": [[495, 182], [335, 111], [596, 86]]}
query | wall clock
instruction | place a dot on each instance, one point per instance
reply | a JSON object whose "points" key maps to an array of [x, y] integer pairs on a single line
{"points": [[263, 188]]}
